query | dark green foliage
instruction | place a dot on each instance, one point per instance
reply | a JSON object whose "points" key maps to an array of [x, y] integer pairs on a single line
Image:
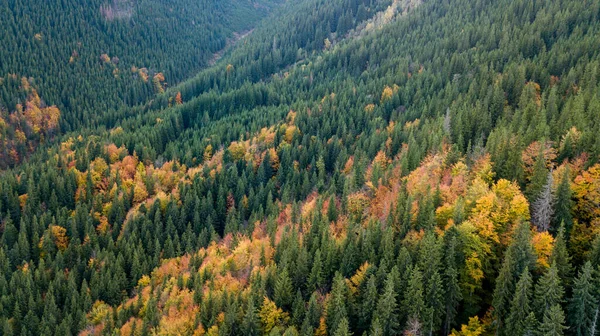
{"points": [[467, 69], [583, 306]]}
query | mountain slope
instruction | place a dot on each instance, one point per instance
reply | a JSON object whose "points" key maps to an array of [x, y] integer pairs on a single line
{"points": [[88, 59], [436, 172]]}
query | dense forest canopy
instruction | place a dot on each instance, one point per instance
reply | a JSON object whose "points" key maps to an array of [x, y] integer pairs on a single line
{"points": [[362, 167], [90, 58]]}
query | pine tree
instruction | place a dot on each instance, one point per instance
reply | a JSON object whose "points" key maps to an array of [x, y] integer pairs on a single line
{"points": [[453, 292], [583, 305], [553, 323], [594, 256], [539, 177], [315, 279], [548, 292], [251, 322], [368, 304], [414, 302], [343, 329], [560, 256], [387, 309], [283, 290], [376, 329], [520, 307], [434, 300], [519, 256], [564, 204], [336, 307], [298, 309]]}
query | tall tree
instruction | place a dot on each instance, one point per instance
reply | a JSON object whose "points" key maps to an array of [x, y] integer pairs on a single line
{"points": [[564, 204], [542, 208], [520, 307], [387, 309], [548, 292], [584, 304], [553, 323]]}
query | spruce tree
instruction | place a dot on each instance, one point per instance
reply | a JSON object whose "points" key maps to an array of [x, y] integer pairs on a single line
{"points": [[548, 292], [387, 309], [553, 323], [414, 302], [283, 290], [337, 309], [564, 204], [453, 292], [520, 306], [519, 256], [560, 256], [583, 304], [251, 322]]}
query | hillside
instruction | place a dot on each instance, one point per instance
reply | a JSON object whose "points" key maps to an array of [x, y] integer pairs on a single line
{"points": [[364, 167], [90, 59]]}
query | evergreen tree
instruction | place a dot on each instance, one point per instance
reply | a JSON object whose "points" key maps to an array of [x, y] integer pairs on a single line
{"points": [[453, 292], [368, 304], [519, 256], [343, 329], [414, 302], [387, 309], [520, 307], [283, 290], [560, 256], [553, 323], [584, 304], [564, 204], [251, 322], [539, 177], [548, 292], [336, 308]]}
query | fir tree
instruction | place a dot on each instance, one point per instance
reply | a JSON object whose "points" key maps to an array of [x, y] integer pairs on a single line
{"points": [[583, 304], [387, 309], [553, 323], [564, 204], [520, 307], [548, 292], [283, 290]]}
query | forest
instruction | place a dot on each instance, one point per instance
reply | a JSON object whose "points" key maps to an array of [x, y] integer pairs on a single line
{"points": [[349, 167]]}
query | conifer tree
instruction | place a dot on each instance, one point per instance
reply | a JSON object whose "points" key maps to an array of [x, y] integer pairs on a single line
{"points": [[283, 290], [583, 304], [337, 309], [548, 292], [519, 256], [251, 321], [414, 302], [564, 204], [520, 307], [553, 323], [453, 292], [387, 309], [560, 256]]}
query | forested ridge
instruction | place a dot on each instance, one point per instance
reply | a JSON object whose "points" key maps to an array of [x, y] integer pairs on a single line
{"points": [[93, 58], [363, 167]]}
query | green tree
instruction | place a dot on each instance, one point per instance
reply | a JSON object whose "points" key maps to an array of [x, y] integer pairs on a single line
{"points": [[251, 321], [283, 290], [520, 307], [337, 308], [548, 292], [564, 204], [584, 304], [553, 323], [387, 309]]}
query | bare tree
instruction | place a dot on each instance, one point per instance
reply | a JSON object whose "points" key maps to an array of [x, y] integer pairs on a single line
{"points": [[542, 209], [447, 121]]}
